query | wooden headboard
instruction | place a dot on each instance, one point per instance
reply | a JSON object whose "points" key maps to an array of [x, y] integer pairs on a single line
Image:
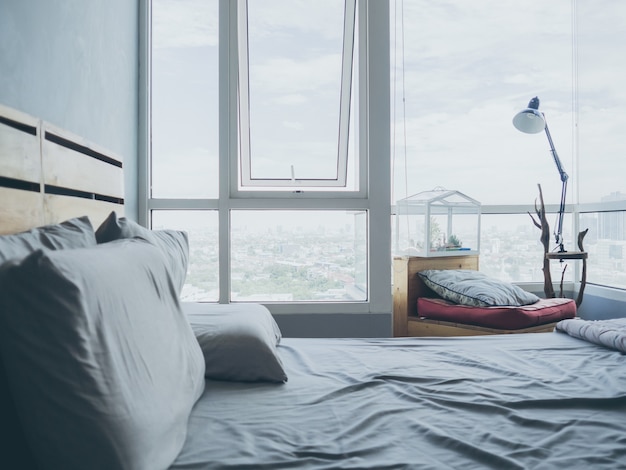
{"points": [[48, 175]]}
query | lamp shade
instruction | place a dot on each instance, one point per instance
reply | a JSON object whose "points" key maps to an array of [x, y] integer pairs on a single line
{"points": [[530, 120]]}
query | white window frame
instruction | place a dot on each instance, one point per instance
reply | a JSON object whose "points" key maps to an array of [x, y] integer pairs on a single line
{"points": [[245, 157], [373, 153]]}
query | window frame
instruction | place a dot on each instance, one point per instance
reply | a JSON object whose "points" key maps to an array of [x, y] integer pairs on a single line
{"points": [[246, 182], [372, 196]]}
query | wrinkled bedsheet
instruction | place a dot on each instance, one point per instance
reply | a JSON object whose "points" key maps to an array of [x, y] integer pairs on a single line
{"points": [[609, 333], [526, 401]]}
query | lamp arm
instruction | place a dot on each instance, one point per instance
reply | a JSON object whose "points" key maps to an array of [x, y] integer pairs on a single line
{"points": [[558, 232], [557, 160]]}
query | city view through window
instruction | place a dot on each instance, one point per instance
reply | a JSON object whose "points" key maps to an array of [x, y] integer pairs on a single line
{"points": [[285, 262]]}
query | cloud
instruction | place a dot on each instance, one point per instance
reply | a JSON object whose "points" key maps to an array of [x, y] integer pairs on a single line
{"points": [[190, 172], [184, 23], [298, 126], [478, 152], [323, 18], [297, 76], [292, 99]]}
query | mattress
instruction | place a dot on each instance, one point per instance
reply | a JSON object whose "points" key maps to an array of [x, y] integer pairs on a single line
{"points": [[540, 401]]}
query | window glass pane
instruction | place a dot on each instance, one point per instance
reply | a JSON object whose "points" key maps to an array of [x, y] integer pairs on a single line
{"points": [[184, 99], [295, 72], [286, 256], [606, 244], [602, 108], [202, 283], [510, 249], [465, 69]]}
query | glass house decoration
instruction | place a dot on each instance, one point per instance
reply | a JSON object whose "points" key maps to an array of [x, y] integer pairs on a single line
{"points": [[439, 222]]}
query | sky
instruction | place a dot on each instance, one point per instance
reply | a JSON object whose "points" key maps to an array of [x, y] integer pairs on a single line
{"points": [[460, 71], [470, 66]]}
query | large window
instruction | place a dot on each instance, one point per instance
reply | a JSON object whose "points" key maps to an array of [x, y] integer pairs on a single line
{"points": [[262, 152], [268, 109], [461, 70]]}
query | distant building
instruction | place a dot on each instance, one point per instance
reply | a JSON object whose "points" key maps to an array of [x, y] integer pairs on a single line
{"points": [[612, 225]]}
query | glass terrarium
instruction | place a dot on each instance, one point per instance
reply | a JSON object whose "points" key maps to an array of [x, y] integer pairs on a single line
{"points": [[440, 222]]}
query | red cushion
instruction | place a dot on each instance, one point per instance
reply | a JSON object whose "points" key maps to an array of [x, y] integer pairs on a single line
{"points": [[504, 318]]}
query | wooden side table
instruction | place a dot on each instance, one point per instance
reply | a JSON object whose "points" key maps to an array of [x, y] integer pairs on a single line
{"points": [[572, 255]]}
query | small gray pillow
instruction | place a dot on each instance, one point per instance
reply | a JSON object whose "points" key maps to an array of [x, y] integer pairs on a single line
{"points": [[475, 289], [102, 362], [239, 344], [73, 233], [174, 244]]}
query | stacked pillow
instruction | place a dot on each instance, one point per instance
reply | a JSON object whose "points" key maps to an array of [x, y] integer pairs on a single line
{"points": [[173, 244], [73, 233], [103, 365], [239, 343]]}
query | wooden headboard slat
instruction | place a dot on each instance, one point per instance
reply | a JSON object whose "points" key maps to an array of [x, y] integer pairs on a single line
{"points": [[73, 164], [61, 191], [19, 147], [59, 208], [14, 183], [57, 139], [48, 175], [20, 126], [20, 210]]}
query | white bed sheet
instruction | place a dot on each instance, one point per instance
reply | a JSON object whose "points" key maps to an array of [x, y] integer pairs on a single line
{"points": [[540, 401]]}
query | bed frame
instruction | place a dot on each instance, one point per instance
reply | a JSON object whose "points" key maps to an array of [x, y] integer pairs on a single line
{"points": [[48, 175]]}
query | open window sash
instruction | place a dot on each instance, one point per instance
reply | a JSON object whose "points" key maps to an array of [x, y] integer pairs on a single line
{"points": [[290, 177]]}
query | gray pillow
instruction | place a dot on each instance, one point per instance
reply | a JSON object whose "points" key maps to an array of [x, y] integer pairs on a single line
{"points": [[239, 344], [102, 362], [73, 233], [473, 288], [173, 244]]}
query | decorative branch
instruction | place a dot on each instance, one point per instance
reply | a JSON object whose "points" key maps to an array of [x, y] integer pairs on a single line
{"points": [[583, 279], [561, 283], [581, 236], [542, 223]]}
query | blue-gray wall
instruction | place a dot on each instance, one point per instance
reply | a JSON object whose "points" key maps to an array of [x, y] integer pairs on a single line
{"points": [[74, 63]]}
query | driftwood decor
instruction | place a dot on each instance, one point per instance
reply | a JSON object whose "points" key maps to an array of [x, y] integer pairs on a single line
{"points": [[541, 222]]}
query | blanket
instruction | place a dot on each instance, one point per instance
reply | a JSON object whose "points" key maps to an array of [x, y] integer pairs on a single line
{"points": [[609, 333]]}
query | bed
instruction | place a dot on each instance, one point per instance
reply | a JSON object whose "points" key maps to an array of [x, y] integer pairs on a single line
{"points": [[524, 401], [205, 386]]}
